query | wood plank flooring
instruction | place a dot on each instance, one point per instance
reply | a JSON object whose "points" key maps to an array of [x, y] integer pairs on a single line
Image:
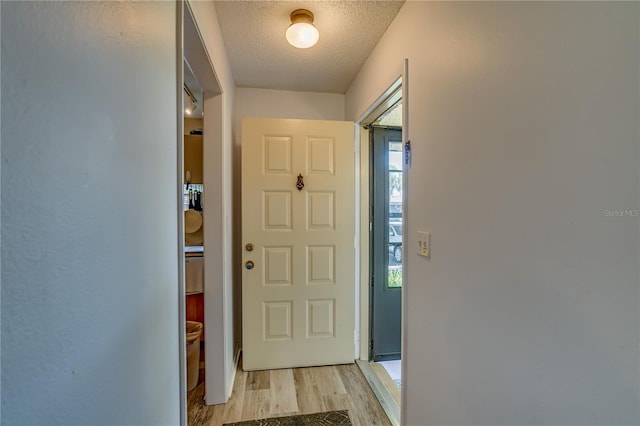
{"points": [[276, 393]]}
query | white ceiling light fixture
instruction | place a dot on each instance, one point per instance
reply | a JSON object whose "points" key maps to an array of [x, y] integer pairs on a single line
{"points": [[190, 108], [193, 103], [302, 33]]}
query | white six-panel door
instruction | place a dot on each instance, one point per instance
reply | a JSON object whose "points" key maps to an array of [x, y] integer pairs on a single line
{"points": [[298, 298]]}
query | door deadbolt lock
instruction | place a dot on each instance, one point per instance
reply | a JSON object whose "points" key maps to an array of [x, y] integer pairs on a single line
{"points": [[249, 264], [249, 247]]}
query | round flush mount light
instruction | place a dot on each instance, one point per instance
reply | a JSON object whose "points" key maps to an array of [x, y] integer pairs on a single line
{"points": [[190, 108], [302, 33]]}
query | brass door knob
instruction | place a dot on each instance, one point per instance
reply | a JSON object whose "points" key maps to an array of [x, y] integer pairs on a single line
{"points": [[249, 264]]}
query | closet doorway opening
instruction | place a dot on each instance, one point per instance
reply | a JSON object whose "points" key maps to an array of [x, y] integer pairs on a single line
{"points": [[200, 139]]}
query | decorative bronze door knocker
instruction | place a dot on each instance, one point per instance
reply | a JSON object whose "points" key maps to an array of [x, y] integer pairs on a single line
{"points": [[300, 183]]}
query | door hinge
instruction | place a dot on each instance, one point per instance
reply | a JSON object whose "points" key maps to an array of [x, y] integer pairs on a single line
{"points": [[371, 281], [371, 346]]}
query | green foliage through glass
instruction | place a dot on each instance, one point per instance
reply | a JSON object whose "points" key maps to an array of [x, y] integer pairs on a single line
{"points": [[395, 277]]}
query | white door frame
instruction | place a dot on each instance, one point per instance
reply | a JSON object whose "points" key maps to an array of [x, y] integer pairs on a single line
{"points": [[192, 49], [182, 342], [362, 221]]}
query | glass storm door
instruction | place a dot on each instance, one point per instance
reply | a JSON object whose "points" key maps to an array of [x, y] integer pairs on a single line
{"points": [[386, 243]]}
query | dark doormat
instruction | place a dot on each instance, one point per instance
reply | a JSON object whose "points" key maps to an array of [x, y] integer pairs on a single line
{"points": [[329, 418]]}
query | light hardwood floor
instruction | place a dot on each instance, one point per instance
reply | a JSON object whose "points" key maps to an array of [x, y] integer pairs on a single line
{"points": [[275, 393]]}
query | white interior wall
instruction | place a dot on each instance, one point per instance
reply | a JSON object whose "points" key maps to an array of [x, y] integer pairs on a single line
{"points": [[524, 128], [89, 218], [218, 257], [253, 102], [0, 224]]}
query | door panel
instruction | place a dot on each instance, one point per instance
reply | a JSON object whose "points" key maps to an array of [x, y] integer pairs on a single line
{"points": [[298, 299], [277, 210], [320, 210], [386, 244], [277, 266], [277, 321]]}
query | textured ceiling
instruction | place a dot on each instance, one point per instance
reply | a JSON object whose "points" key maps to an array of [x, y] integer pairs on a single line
{"points": [[253, 33]]}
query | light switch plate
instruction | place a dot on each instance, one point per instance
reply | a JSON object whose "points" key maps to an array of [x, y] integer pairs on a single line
{"points": [[424, 244]]}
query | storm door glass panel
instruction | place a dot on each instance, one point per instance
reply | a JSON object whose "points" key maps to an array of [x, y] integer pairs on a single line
{"points": [[394, 171]]}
